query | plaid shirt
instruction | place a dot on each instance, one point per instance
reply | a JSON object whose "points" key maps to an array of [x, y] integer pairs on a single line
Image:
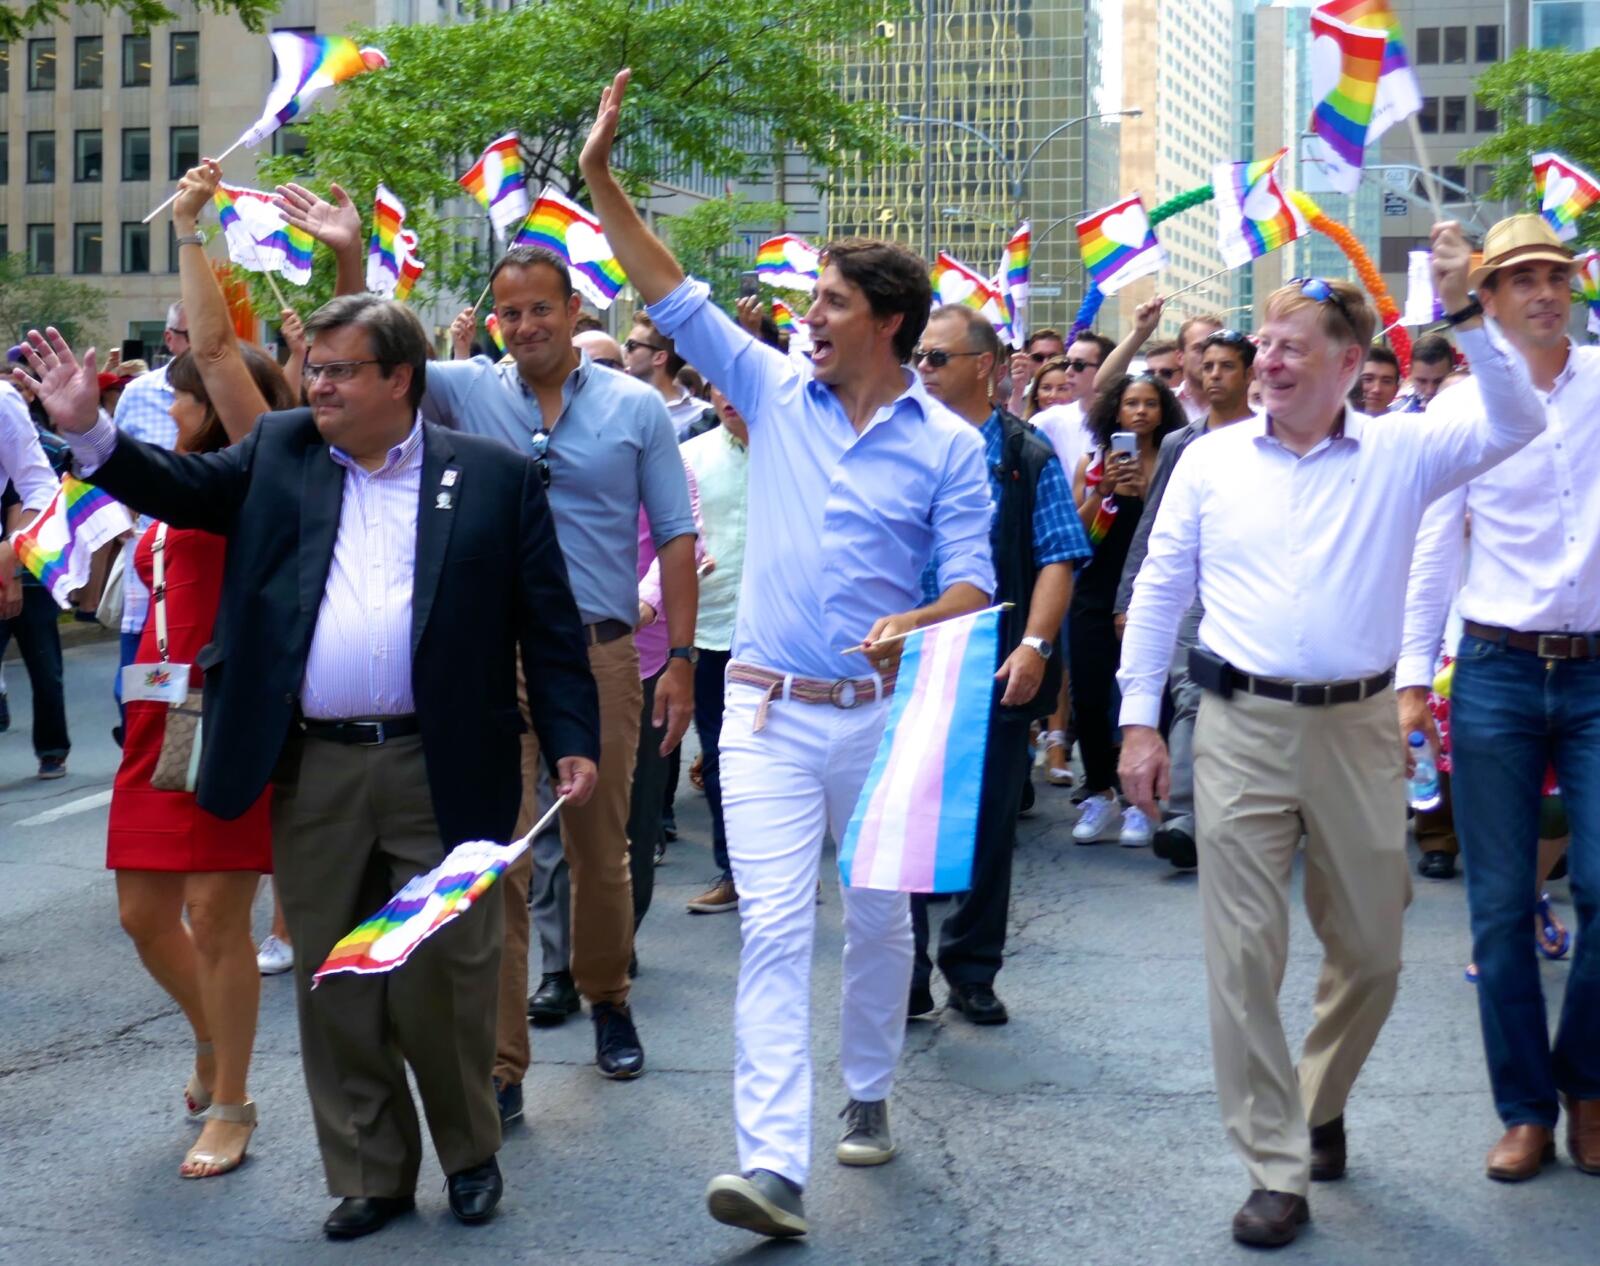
{"points": [[142, 413]]}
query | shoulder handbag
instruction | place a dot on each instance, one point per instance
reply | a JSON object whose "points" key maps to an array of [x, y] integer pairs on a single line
{"points": [[108, 611], [178, 765]]}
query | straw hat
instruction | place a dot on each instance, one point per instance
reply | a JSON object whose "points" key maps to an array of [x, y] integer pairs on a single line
{"points": [[1519, 239]]}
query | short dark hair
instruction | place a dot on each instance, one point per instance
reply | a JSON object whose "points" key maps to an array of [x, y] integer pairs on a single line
{"points": [[1103, 414], [1036, 335], [396, 334], [674, 361], [1384, 356], [183, 374], [1433, 349], [1106, 345], [1164, 348], [980, 333], [1200, 318], [1235, 341], [893, 278], [533, 257], [588, 321]]}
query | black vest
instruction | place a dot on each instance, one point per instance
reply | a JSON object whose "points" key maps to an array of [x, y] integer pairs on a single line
{"points": [[1023, 454]]}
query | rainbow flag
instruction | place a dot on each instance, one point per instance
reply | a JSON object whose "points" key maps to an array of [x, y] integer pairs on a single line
{"points": [[783, 317], [306, 65], [788, 262], [492, 324], [498, 180], [259, 236], [1346, 64], [384, 251], [1399, 95], [1015, 264], [1586, 280], [1253, 214], [1118, 245], [561, 225], [410, 267], [915, 825], [1105, 515], [957, 283], [58, 546], [429, 901], [1565, 192]]}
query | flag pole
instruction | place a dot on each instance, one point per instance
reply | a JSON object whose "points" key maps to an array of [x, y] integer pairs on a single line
{"points": [[541, 823], [174, 197], [1195, 285], [1428, 182], [513, 240], [900, 637]]}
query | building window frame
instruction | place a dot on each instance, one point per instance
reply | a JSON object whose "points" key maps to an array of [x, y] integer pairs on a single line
{"points": [[178, 144], [88, 249], [37, 174], [41, 235], [42, 65], [128, 136], [82, 173], [132, 232], [136, 73], [95, 64], [190, 59]]}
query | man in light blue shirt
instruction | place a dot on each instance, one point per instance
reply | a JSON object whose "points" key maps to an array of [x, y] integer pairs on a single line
{"points": [[857, 478]]}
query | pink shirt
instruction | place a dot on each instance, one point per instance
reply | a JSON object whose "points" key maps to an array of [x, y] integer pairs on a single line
{"points": [[651, 641]]}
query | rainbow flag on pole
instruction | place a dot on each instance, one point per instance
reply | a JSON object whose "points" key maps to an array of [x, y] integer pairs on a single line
{"points": [[561, 225], [260, 237], [788, 262], [915, 825], [384, 250], [1565, 192], [499, 181], [492, 324], [1346, 64], [1253, 214], [58, 546], [1399, 95], [1118, 245], [1586, 280], [411, 267], [1015, 265], [306, 65], [783, 317]]}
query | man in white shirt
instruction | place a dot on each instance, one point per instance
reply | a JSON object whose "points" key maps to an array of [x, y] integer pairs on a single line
{"points": [[1525, 695], [1296, 529], [652, 357]]}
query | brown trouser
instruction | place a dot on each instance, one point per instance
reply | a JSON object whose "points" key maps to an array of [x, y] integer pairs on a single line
{"points": [[350, 825], [595, 838], [1265, 772]]}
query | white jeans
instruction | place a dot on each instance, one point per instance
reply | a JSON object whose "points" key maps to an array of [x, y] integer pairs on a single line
{"points": [[782, 788]]}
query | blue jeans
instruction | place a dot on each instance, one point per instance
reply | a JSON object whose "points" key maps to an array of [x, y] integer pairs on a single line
{"points": [[1511, 715]]}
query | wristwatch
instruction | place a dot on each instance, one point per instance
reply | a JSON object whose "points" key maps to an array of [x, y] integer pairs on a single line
{"points": [[684, 652], [1474, 308], [1043, 647], [197, 238]]}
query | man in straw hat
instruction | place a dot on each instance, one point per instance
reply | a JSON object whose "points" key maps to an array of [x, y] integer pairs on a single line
{"points": [[1526, 694], [1296, 528]]}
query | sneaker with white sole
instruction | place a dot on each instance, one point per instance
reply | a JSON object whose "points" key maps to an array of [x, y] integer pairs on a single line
{"points": [[1099, 820], [866, 1138], [274, 956], [1136, 830]]}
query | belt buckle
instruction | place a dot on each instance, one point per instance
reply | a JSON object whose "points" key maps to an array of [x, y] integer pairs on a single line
{"points": [[377, 728], [1303, 694], [1550, 654], [843, 694]]}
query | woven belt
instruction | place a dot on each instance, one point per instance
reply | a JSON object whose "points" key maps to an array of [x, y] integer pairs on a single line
{"points": [[846, 692], [1310, 694], [605, 631], [373, 733], [1544, 645]]}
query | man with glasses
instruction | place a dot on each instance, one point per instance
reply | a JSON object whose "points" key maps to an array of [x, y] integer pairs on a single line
{"points": [[650, 356], [1040, 346], [1296, 529], [1063, 424], [600, 348]]}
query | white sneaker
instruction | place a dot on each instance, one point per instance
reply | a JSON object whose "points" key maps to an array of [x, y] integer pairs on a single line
{"points": [[1136, 830], [274, 956], [1098, 820]]}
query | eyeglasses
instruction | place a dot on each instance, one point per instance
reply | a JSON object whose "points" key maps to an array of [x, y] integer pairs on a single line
{"points": [[936, 357], [1078, 366], [1318, 289], [1166, 375], [634, 344], [172, 329], [606, 361], [541, 455], [1038, 358], [334, 370]]}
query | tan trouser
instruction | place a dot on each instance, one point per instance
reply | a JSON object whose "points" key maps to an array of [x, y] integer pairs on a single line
{"points": [[595, 838], [350, 825], [1265, 772]]}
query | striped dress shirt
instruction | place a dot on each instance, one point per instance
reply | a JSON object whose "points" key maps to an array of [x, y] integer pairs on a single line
{"points": [[144, 412]]}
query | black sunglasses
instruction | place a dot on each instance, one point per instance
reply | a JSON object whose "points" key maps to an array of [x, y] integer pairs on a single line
{"points": [[634, 344], [1166, 375], [541, 455], [937, 357], [1078, 366], [1320, 290]]}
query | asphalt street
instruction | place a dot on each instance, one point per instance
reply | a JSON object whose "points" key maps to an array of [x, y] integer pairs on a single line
{"points": [[1086, 1131]]}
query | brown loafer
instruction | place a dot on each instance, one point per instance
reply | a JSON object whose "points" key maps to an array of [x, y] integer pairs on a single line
{"points": [[1270, 1219], [1327, 1150], [1521, 1153], [1583, 1133]]}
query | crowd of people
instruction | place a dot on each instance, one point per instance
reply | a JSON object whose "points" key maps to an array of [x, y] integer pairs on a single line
{"points": [[421, 601]]}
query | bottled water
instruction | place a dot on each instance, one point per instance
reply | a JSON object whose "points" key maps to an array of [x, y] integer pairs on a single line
{"points": [[1422, 788]]}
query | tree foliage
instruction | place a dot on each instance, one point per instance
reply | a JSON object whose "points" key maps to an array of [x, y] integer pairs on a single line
{"points": [[36, 300], [707, 240], [719, 84], [1549, 99], [17, 19]]}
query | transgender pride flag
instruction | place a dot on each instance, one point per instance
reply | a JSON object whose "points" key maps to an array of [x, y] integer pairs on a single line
{"points": [[915, 826], [57, 547]]}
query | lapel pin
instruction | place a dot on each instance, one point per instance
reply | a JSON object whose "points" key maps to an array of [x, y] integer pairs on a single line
{"points": [[449, 478], [442, 502]]}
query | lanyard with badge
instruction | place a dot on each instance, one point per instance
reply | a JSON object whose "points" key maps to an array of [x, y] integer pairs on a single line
{"points": [[178, 764]]}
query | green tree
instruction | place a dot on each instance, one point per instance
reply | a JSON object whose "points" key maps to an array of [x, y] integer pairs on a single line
{"points": [[722, 84], [31, 301], [16, 19], [1548, 99], [707, 240]]}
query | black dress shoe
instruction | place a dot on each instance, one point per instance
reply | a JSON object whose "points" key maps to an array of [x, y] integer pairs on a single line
{"points": [[978, 1003], [475, 1192], [1028, 800], [355, 1216], [920, 1005], [554, 1000], [617, 1053], [508, 1098], [1437, 865], [1327, 1150], [1270, 1219], [1175, 846]]}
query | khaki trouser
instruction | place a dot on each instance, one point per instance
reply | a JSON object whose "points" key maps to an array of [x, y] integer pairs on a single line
{"points": [[595, 837], [350, 825], [1266, 772]]}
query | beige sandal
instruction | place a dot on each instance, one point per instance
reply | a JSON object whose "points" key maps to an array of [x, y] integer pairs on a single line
{"points": [[235, 1114], [196, 1098]]}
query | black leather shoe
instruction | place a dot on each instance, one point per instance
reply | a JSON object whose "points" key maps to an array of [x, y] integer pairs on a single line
{"points": [[1176, 847], [554, 1000], [1028, 800], [355, 1216], [1327, 1150], [508, 1098], [617, 1053], [1436, 865], [978, 1003], [475, 1192], [1270, 1219], [920, 1005]]}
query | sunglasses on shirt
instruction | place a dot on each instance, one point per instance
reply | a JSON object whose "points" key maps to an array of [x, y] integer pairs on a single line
{"points": [[541, 455]]}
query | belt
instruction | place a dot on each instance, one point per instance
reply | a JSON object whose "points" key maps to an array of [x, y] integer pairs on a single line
{"points": [[1310, 694], [1544, 645], [604, 631], [846, 692], [373, 733]]}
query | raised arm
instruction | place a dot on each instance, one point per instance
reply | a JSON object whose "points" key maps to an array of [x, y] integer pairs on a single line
{"points": [[212, 341], [1145, 320], [336, 224], [294, 334]]}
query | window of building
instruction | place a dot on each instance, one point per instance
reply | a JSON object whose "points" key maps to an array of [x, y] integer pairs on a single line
{"points": [[1455, 45], [1482, 179], [89, 70], [1394, 253], [135, 61], [1427, 46], [5, 160], [41, 157], [41, 248], [288, 140], [135, 247], [1428, 115], [88, 242], [172, 247], [1488, 41], [5, 239], [185, 150], [5, 66], [1453, 114], [41, 65], [136, 153], [185, 47], [88, 156], [1487, 118]]}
